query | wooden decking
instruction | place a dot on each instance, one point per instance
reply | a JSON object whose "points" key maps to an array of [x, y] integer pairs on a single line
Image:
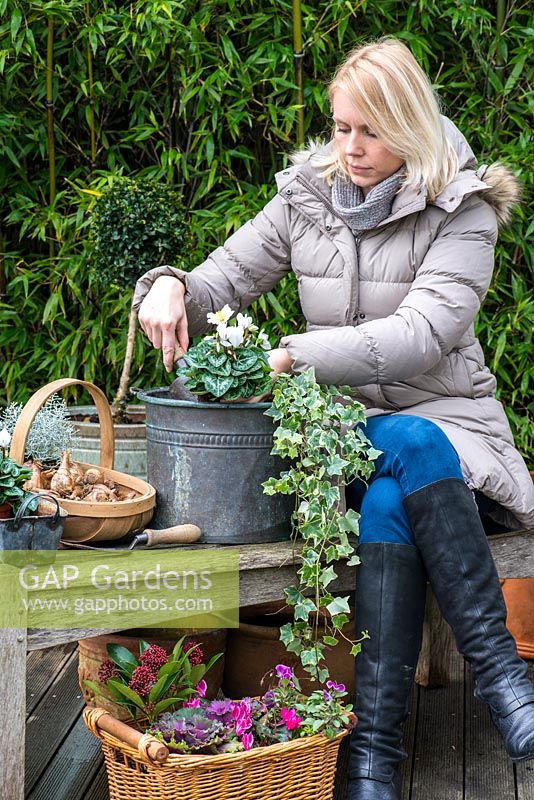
{"points": [[453, 751]]}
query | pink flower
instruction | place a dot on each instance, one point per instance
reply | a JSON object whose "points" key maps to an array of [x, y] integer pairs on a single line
{"points": [[290, 719], [242, 726], [247, 740], [201, 688], [241, 716], [194, 703], [337, 687], [284, 672]]}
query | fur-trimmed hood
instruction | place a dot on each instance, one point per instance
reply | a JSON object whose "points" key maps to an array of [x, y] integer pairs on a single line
{"points": [[496, 183]]}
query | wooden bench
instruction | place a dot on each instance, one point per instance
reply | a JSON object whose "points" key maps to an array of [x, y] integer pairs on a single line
{"points": [[265, 570]]}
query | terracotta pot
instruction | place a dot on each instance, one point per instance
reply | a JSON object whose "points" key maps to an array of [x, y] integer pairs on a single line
{"points": [[255, 648], [519, 597], [92, 652], [5, 511]]}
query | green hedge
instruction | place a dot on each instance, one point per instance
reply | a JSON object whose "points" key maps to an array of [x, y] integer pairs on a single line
{"points": [[202, 96]]}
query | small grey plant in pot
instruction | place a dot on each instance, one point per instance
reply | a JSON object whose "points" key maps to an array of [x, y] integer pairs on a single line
{"points": [[51, 433], [137, 224], [320, 432]]}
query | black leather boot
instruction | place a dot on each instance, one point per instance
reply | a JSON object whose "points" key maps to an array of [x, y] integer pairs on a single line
{"points": [[390, 604], [461, 571]]}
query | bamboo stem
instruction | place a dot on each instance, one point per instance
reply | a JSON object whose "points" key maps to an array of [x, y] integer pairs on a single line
{"points": [[127, 366], [50, 121], [91, 95], [172, 136], [3, 276], [501, 15], [299, 75]]}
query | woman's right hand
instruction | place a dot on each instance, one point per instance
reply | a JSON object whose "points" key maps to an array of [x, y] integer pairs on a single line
{"points": [[163, 318]]}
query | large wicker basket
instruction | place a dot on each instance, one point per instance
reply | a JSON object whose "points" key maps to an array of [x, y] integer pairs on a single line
{"points": [[141, 768], [96, 521]]}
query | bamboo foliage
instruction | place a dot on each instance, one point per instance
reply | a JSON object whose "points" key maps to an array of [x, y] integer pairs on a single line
{"points": [[204, 96]]}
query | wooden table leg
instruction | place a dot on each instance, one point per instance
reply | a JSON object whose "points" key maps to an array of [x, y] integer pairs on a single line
{"points": [[13, 698], [432, 670]]}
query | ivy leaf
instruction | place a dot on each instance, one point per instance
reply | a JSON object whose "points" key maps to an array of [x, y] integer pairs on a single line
{"points": [[339, 605], [327, 576], [329, 640], [304, 609], [335, 465]]}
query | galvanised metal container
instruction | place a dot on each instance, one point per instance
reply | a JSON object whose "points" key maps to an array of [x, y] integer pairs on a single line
{"points": [[207, 462], [130, 440]]}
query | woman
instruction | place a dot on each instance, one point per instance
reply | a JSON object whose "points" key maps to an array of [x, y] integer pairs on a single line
{"points": [[391, 233]]}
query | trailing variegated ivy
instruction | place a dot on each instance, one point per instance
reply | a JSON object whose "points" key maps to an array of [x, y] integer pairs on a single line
{"points": [[320, 431]]}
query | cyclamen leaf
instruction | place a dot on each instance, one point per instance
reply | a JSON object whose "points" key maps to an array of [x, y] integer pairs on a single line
{"points": [[217, 359], [219, 385], [224, 368]]}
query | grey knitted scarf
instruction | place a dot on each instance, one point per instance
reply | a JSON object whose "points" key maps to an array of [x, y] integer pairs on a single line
{"points": [[363, 213]]}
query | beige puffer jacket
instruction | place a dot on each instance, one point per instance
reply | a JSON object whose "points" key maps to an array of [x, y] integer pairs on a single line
{"points": [[390, 312]]}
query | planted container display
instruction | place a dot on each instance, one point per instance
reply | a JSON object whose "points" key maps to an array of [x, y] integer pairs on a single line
{"points": [[209, 454]]}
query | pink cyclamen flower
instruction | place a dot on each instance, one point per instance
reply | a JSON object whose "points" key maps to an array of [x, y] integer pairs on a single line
{"points": [[247, 740], [290, 718], [337, 687], [194, 703], [201, 688], [284, 672], [241, 717]]}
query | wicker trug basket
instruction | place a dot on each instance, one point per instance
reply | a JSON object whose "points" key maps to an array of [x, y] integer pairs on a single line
{"points": [[87, 520], [141, 768]]}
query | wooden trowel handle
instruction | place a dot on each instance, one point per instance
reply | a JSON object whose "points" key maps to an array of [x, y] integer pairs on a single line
{"points": [[178, 534]]}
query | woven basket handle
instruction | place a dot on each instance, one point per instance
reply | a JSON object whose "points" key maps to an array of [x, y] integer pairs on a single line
{"points": [[148, 746], [37, 400]]}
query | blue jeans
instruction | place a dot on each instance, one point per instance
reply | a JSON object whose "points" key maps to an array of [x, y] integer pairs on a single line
{"points": [[415, 453]]}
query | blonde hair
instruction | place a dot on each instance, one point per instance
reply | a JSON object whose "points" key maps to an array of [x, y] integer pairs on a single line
{"points": [[393, 94]]}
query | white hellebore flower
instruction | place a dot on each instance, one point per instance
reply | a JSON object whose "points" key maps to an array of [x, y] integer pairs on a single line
{"points": [[5, 438], [231, 337], [263, 340], [221, 316], [244, 321]]}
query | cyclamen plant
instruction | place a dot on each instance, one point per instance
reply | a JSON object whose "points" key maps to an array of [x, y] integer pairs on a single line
{"points": [[229, 726], [157, 680], [319, 430], [231, 363], [13, 476]]}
